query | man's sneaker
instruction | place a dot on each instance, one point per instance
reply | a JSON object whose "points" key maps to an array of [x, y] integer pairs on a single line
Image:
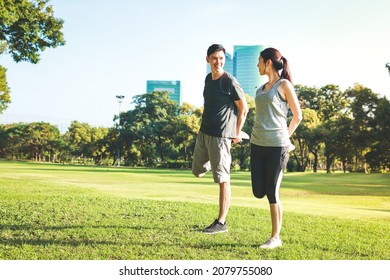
{"points": [[271, 243], [215, 227]]}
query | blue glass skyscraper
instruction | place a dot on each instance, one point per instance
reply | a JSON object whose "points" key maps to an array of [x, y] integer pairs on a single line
{"points": [[173, 87], [229, 67], [245, 59]]}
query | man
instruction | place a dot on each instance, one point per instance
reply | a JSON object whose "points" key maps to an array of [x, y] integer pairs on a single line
{"points": [[225, 110]]}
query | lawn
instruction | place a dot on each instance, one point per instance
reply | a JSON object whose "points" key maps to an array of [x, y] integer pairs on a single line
{"points": [[55, 212]]}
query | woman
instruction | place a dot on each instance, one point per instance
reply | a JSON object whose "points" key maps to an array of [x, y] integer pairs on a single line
{"points": [[270, 140]]}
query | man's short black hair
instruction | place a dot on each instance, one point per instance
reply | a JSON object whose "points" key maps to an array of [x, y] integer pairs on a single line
{"points": [[215, 48]]}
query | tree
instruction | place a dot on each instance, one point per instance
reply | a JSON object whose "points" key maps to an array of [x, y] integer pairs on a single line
{"points": [[331, 102], [88, 142], [12, 138], [307, 139], [308, 97], [363, 107], [28, 27], [186, 128], [110, 142], [379, 152], [132, 141], [79, 138], [40, 140], [329, 139], [99, 148], [149, 125], [4, 90], [343, 143]]}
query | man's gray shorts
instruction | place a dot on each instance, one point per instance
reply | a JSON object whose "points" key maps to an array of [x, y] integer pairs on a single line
{"points": [[212, 153]]}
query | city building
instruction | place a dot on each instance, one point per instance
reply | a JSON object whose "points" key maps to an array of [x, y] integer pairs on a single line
{"points": [[245, 59], [229, 66], [173, 87]]}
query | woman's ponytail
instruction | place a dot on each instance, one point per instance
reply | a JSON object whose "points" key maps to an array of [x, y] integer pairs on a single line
{"points": [[286, 74]]}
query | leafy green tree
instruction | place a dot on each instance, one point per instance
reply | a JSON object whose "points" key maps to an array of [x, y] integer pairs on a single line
{"points": [[40, 140], [378, 155], [329, 138], [109, 144], [78, 138], [308, 97], [307, 139], [87, 142], [363, 108], [28, 27], [186, 128], [332, 102], [149, 124], [99, 149], [4, 90], [188, 109], [61, 153], [3, 140], [313, 135], [131, 141], [12, 139], [327, 104], [343, 142]]}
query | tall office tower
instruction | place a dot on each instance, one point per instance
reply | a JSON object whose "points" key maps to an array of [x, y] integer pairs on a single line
{"points": [[245, 59], [228, 63], [173, 87]]}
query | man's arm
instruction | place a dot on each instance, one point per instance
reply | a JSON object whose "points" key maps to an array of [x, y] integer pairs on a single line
{"points": [[242, 107]]}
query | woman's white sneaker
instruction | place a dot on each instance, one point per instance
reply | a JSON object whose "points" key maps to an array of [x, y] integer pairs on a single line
{"points": [[271, 243]]}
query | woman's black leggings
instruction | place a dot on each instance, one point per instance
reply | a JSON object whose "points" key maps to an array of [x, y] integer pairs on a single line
{"points": [[267, 166]]}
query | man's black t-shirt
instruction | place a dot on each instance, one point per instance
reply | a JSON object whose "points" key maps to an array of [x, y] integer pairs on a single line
{"points": [[220, 113]]}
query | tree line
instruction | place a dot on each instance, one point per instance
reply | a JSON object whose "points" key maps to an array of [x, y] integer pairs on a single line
{"points": [[341, 130]]}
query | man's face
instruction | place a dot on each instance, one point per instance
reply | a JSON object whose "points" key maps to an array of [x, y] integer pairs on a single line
{"points": [[216, 61]]}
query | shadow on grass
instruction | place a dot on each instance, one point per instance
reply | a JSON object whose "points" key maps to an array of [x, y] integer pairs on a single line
{"points": [[379, 210], [46, 242], [46, 228], [94, 169], [77, 241], [204, 242]]}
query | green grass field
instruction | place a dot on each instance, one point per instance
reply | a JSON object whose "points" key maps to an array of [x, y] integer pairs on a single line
{"points": [[55, 212]]}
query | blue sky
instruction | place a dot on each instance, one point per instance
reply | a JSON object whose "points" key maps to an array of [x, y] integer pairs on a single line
{"points": [[113, 47]]}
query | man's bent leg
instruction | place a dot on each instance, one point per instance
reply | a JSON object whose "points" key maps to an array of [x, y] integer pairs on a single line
{"points": [[200, 163]]}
